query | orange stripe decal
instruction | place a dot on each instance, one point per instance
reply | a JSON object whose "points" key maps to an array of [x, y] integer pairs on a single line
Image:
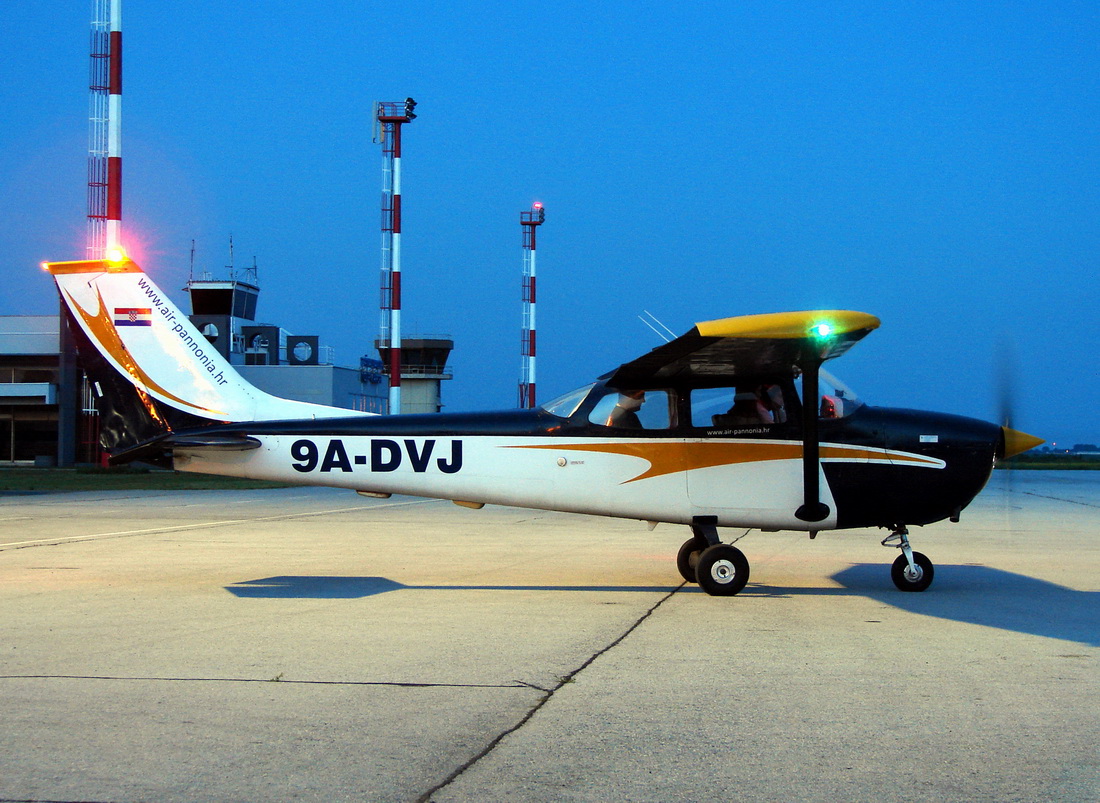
{"points": [[91, 266], [665, 457]]}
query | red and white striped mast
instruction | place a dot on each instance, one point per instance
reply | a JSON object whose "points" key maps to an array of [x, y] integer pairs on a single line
{"points": [[528, 221], [389, 118], [105, 131]]}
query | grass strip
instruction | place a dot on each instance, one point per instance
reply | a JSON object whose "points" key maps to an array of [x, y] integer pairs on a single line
{"points": [[123, 478]]}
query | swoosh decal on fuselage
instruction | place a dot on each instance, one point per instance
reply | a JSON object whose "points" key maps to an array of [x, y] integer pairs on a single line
{"points": [[671, 458]]}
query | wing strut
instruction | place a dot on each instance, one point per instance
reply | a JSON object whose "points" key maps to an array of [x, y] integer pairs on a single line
{"points": [[812, 508]]}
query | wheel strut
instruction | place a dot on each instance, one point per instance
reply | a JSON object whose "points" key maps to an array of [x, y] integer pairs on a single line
{"points": [[912, 571], [900, 538], [705, 528]]}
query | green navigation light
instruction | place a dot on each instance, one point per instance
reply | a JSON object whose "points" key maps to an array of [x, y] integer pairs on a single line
{"points": [[821, 330]]}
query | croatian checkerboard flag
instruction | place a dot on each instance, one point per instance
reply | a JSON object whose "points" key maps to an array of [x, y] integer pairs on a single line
{"points": [[133, 316]]}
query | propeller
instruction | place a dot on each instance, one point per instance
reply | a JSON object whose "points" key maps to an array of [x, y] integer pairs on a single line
{"points": [[1013, 442]]}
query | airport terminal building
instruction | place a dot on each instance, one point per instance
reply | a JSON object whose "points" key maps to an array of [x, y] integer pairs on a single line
{"points": [[33, 393]]}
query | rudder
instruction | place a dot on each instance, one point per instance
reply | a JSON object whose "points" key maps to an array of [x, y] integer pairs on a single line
{"points": [[152, 371]]}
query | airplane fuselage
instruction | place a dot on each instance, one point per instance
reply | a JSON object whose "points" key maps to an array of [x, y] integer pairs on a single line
{"points": [[879, 466]]}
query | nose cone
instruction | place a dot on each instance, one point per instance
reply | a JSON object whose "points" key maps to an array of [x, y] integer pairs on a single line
{"points": [[1015, 442]]}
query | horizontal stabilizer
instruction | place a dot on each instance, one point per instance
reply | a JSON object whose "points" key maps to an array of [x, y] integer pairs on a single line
{"points": [[155, 450]]}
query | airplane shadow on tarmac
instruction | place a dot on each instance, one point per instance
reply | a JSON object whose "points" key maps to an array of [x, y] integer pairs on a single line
{"points": [[327, 587], [989, 597], [974, 594]]}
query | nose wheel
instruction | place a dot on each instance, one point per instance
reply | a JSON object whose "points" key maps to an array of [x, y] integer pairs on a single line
{"points": [[912, 578], [912, 571]]}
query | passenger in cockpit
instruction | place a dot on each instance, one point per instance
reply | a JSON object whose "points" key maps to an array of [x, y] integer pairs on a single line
{"points": [[753, 406], [772, 397]]}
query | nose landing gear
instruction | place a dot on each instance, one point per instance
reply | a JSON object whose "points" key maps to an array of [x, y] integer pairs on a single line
{"points": [[912, 571]]}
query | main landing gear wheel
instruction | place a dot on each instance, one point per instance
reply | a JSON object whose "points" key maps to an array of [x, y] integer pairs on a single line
{"points": [[906, 579], [688, 557], [722, 570]]}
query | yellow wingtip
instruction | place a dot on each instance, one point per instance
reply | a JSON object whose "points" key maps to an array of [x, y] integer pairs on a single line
{"points": [[789, 325]]}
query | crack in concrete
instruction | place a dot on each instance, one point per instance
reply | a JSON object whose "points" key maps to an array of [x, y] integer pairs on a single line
{"points": [[43, 800], [1061, 499], [517, 684], [547, 697]]}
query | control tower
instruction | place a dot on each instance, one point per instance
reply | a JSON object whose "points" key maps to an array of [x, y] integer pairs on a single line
{"points": [[423, 367], [222, 309]]}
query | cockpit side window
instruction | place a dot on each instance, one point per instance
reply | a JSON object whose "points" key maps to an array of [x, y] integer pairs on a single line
{"points": [[633, 409]]}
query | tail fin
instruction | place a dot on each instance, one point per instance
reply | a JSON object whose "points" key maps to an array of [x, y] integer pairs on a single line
{"points": [[153, 372]]}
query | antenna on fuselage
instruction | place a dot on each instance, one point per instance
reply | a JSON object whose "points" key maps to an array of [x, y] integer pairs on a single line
{"points": [[652, 322]]}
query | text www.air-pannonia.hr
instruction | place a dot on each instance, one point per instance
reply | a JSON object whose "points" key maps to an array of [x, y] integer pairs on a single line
{"points": [[178, 328]]}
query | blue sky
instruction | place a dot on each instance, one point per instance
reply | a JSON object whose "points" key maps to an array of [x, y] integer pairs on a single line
{"points": [[935, 164]]}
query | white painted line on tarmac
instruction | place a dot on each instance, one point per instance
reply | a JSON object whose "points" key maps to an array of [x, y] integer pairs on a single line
{"points": [[206, 524]]}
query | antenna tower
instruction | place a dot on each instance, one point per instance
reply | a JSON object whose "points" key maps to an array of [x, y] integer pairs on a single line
{"points": [[389, 117], [528, 221], [104, 130]]}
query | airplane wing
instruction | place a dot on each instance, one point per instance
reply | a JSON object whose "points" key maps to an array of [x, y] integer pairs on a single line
{"points": [[755, 345], [749, 345]]}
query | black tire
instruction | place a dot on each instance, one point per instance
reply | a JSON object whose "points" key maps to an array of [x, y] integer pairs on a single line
{"points": [[722, 570], [688, 557], [900, 574]]}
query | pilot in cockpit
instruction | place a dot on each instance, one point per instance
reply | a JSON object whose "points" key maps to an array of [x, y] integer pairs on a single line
{"points": [[625, 412]]}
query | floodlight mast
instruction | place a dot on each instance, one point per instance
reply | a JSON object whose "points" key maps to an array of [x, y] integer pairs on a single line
{"points": [[528, 222], [389, 117]]}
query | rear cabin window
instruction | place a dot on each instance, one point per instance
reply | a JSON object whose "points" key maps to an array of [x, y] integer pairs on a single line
{"points": [[743, 407]]}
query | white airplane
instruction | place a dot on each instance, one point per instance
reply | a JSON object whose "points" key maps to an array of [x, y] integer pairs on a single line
{"points": [[733, 424]]}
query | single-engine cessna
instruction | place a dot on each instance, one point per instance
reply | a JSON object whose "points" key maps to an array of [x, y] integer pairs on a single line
{"points": [[734, 424]]}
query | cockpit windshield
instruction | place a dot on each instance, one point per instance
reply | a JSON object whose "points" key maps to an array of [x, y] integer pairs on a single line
{"points": [[837, 399], [565, 406]]}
